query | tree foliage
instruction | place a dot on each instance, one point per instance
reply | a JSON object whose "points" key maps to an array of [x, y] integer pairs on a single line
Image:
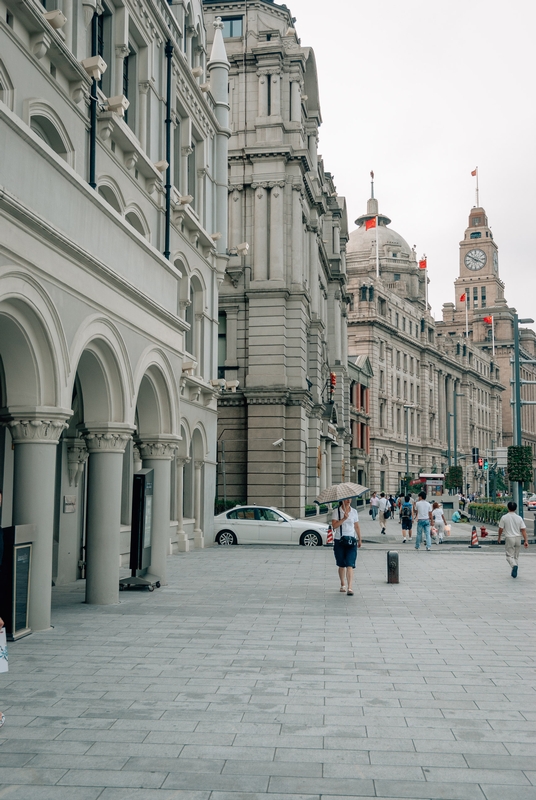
{"points": [[454, 478], [519, 463]]}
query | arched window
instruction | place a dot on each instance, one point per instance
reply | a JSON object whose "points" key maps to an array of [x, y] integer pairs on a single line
{"points": [[47, 131], [6, 87], [111, 198], [135, 221], [189, 317]]}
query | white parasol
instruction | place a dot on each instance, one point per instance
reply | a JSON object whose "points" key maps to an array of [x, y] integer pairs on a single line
{"points": [[341, 491]]}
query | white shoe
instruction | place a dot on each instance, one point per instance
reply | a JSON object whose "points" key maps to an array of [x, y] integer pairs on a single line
{"points": [[404, 541]]}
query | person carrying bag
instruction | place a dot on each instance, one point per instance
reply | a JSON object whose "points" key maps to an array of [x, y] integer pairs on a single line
{"points": [[346, 540]]}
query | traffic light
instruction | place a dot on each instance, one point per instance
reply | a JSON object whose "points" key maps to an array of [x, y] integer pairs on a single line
{"points": [[480, 463], [475, 455], [486, 464]]}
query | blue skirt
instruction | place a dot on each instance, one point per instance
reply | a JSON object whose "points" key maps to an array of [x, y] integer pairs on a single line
{"points": [[345, 554]]}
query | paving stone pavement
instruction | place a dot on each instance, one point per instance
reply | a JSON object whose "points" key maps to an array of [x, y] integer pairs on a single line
{"points": [[250, 676]]}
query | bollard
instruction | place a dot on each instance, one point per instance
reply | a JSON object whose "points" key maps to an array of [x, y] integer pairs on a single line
{"points": [[392, 566]]}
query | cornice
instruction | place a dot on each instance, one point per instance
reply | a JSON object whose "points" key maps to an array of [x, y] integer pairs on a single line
{"points": [[33, 222]]}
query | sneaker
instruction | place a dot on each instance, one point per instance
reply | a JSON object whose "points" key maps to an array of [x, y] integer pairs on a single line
{"points": [[514, 572], [428, 548], [383, 531], [404, 541]]}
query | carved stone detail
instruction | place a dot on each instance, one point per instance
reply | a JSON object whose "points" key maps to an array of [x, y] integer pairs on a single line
{"points": [[77, 454], [36, 430], [163, 449], [109, 441]]}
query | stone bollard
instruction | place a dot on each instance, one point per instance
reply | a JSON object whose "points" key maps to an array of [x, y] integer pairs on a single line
{"points": [[392, 566]]}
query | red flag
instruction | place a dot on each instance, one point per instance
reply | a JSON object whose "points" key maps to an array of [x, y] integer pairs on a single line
{"points": [[473, 173], [370, 223], [489, 320], [463, 298], [422, 263]]}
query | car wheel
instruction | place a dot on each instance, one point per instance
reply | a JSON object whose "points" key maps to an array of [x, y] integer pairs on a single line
{"points": [[226, 537], [311, 539]]}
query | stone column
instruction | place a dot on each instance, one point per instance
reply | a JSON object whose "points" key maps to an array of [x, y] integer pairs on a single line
{"points": [[121, 52], [260, 254], [277, 231], [157, 453], [313, 152], [232, 336], [182, 538], [199, 344], [263, 94], [143, 92], [275, 96], [235, 217], [200, 199], [34, 482], [106, 445], [297, 235], [337, 239], [314, 288], [199, 538], [295, 99]]}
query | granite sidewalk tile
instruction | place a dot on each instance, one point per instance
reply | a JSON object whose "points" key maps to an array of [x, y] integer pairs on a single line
{"points": [[269, 684]]}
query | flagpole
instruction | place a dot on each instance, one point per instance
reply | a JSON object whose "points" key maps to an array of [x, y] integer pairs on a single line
{"points": [[493, 335], [377, 249], [466, 317], [477, 199], [426, 287]]}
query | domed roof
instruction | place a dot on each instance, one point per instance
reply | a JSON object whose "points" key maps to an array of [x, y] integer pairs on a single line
{"points": [[362, 240]]}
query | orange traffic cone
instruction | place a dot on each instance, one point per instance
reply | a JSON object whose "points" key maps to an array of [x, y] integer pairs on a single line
{"points": [[474, 538], [329, 538]]}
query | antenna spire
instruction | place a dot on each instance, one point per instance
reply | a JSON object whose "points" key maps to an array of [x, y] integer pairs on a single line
{"points": [[372, 184]]}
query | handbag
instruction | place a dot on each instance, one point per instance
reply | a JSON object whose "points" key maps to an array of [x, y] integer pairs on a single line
{"points": [[3, 651], [370, 511], [387, 513]]}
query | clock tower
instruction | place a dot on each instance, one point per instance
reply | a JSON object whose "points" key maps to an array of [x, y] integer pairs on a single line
{"points": [[479, 266]]}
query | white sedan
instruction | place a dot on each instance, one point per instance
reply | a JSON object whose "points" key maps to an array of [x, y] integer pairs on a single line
{"points": [[266, 525]]}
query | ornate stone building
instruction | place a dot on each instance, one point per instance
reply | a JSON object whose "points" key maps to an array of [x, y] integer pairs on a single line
{"points": [[479, 296], [431, 396], [112, 246], [283, 434]]}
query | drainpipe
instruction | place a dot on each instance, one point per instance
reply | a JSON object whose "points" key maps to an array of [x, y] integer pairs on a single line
{"points": [[93, 108], [169, 57]]}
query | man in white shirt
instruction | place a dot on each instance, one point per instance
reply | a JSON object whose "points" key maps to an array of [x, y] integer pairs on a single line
{"points": [[383, 506], [514, 528], [423, 514], [374, 502]]}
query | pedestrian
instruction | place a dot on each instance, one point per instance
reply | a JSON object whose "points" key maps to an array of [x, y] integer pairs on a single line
{"points": [[374, 503], [439, 521], [406, 516], [399, 501], [423, 514], [346, 540], [393, 505], [514, 528], [384, 509]]}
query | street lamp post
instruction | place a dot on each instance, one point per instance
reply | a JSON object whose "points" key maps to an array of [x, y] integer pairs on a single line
{"points": [[406, 409], [517, 399]]}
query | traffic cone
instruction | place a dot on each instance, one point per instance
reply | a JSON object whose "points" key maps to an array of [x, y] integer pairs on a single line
{"points": [[474, 538], [329, 538]]}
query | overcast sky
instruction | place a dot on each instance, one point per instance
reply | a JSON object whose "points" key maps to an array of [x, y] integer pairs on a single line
{"points": [[422, 92]]}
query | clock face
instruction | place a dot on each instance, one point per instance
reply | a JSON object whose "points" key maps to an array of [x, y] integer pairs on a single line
{"points": [[475, 259], [495, 260]]}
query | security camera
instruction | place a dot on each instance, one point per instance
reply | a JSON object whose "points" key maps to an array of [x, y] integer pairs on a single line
{"points": [[278, 443]]}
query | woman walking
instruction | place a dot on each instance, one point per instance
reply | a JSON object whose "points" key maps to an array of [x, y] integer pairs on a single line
{"points": [[439, 522], [346, 540]]}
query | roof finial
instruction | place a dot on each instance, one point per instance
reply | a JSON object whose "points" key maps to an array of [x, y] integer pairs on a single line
{"points": [[372, 184]]}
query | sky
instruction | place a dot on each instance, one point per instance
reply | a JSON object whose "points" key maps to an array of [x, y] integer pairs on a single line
{"points": [[422, 92]]}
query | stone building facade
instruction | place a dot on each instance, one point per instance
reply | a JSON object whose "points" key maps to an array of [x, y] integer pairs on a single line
{"points": [[436, 396], [108, 348], [479, 295], [284, 433]]}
